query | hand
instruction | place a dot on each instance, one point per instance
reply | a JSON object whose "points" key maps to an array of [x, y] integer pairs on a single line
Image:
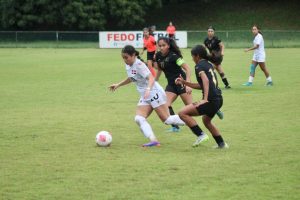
{"points": [[113, 87], [147, 94], [179, 80], [246, 50], [142, 52], [188, 90]]}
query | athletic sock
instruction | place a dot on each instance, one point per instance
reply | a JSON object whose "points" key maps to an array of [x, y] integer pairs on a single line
{"points": [[250, 79], [219, 140], [225, 81], [145, 127], [197, 130], [269, 79], [173, 113], [174, 119]]}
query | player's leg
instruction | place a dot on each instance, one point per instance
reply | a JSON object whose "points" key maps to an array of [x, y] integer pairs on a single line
{"points": [[252, 73], [266, 72], [221, 72], [186, 114], [214, 131], [150, 57], [171, 97], [142, 113], [163, 113]]}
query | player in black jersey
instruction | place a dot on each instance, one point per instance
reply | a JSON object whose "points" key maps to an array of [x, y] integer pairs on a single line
{"points": [[211, 102], [169, 60], [216, 49]]}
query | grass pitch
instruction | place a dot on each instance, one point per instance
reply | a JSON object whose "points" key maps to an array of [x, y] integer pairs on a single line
{"points": [[54, 101]]}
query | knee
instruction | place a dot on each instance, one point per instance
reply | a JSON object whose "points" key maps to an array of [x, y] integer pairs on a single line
{"points": [[139, 119], [181, 114]]}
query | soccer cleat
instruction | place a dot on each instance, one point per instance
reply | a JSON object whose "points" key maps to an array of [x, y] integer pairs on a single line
{"points": [[202, 138], [152, 144], [173, 130], [269, 83], [224, 146], [247, 84], [227, 87], [220, 114]]}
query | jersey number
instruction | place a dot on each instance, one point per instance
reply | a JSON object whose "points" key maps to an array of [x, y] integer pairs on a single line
{"points": [[213, 76]]}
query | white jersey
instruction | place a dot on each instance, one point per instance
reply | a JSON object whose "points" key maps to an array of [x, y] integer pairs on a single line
{"points": [[138, 73], [259, 53], [259, 40]]}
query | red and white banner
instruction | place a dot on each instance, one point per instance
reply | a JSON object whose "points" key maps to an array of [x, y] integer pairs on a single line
{"points": [[118, 39]]}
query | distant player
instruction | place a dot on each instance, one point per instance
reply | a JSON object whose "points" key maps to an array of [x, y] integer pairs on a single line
{"points": [[211, 101], [169, 60], [153, 97], [259, 57], [171, 30], [216, 49], [150, 46]]}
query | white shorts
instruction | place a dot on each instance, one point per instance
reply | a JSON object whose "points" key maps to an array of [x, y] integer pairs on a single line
{"points": [[156, 99], [260, 57]]}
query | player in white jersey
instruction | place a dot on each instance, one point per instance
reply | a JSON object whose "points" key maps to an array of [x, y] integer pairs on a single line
{"points": [[153, 96], [259, 57]]}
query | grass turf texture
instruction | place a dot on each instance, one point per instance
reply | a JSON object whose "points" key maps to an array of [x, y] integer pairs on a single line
{"points": [[54, 101]]}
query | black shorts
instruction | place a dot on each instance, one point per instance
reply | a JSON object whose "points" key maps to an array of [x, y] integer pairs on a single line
{"points": [[217, 58], [210, 108], [176, 89], [150, 55]]}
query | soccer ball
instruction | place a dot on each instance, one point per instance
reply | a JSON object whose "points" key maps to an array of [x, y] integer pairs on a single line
{"points": [[103, 139]]}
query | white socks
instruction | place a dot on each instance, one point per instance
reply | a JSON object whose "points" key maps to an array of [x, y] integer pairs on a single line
{"points": [[174, 120], [145, 127], [269, 79], [250, 79]]}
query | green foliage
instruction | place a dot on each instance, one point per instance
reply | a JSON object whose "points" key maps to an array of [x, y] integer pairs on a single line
{"points": [[73, 15]]}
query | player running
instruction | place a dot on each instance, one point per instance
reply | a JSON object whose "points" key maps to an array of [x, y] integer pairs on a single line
{"points": [[169, 60], [150, 46], [211, 102], [216, 49], [259, 57], [152, 94]]}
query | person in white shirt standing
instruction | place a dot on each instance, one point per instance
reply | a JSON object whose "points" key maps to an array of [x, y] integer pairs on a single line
{"points": [[153, 96], [259, 57]]}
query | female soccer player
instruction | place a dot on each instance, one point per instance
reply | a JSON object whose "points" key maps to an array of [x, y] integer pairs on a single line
{"points": [[150, 46], [259, 57], [152, 94], [170, 61], [211, 102], [171, 30], [216, 49]]}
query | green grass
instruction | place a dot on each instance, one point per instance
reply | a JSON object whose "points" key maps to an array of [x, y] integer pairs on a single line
{"points": [[54, 101]]}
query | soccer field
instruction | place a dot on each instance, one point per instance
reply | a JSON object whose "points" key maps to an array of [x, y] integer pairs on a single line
{"points": [[54, 101]]}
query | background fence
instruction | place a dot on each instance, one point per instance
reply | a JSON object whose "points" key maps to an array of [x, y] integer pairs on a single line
{"points": [[76, 39]]}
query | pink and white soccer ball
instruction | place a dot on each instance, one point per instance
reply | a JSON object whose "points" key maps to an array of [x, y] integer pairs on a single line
{"points": [[103, 139]]}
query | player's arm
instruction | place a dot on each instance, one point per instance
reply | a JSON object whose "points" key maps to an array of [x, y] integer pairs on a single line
{"points": [[181, 81], [151, 81], [187, 70], [205, 82], [252, 48], [114, 86], [158, 73], [222, 47], [143, 50]]}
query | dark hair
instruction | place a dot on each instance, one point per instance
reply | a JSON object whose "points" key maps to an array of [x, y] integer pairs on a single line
{"points": [[211, 27], [130, 50], [200, 50], [172, 44], [258, 28]]}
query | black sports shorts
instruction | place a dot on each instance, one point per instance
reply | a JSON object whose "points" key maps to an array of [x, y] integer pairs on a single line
{"points": [[210, 108], [217, 58], [150, 55], [176, 89]]}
